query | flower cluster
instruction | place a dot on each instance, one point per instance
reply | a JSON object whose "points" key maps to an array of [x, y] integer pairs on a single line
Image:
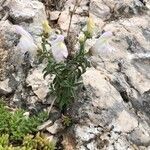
{"points": [[58, 47]]}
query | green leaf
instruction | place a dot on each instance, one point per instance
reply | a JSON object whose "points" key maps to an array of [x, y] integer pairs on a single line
{"points": [[79, 73], [78, 83]]}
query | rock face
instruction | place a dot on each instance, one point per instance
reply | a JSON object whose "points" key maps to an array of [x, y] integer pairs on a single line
{"points": [[114, 113], [16, 66], [107, 120], [40, 86], [5, 89], [8, 38], [113, 110]]}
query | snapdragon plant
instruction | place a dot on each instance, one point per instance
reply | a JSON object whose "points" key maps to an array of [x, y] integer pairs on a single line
{"points": [[67, 70]]}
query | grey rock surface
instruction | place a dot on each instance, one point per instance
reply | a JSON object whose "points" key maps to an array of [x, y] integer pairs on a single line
{"points": [[113, 109]]}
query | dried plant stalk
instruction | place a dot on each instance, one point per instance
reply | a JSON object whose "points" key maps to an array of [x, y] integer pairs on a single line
{"points": [[76, 5], [70, 46]]}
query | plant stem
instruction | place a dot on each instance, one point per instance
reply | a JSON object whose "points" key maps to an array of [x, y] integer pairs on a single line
{"points": [[77, 3], [50, 108]]}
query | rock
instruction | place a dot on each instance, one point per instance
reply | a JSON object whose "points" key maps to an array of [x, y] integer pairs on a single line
{"points": [[99, 9], [140, 137], [20, 11], [117, 89], [44, 125], [36, 81], [54, 15], [63, 21], [143, 103], [100, 83], [86, 132], [125, 122], [4, 87], [56, 127], [68, 142], [111, 10], [15, 66], [8, 36], [26, 11], [3, 58], [104, 112], [29, 14], [122, 144], [8, 39]]}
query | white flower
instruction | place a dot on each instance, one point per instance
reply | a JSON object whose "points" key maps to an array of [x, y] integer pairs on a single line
{"points": [[26, 43], [102, 45], [59, 49]]}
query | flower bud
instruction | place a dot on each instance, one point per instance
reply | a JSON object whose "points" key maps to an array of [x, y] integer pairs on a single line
{"points": [[46, 28], [81, 37], [90, 26]]}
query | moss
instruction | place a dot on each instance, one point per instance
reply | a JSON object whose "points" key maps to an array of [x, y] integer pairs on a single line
{"points": [[39, 142], [17, 131]]}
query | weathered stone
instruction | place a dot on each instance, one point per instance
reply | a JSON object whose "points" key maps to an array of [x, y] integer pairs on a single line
{"points": [[4, 87], [99, 9], [64, 20], [103, 112], [140, 137], [8, 39], [56, 127], [68, 141], [40, 86], [125, 122], [44, 125], [54, 15], [26, 11]]}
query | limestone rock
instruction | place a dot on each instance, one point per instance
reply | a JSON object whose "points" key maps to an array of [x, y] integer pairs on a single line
{"points": [[125, 122], [40, 86], [26, 11], [140, 137], [54, 15], [8, 39], [111, 10], [104, 113], [99, 9], [44, 125], [55, 128], [4, 87]]}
